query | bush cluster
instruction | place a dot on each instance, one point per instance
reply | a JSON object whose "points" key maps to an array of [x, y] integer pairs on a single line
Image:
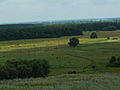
{"points": [[114, 61], [24, 69]]}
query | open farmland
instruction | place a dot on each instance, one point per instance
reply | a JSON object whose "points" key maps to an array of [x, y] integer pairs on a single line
{"points": [[63, 58]]}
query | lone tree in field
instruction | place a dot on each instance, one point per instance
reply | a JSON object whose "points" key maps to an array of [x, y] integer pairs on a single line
{"points": [[108, 38], [93, 35], [73, 42]]}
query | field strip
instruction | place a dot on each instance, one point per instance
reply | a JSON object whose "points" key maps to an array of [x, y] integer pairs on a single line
{"points": [[49, 43]]}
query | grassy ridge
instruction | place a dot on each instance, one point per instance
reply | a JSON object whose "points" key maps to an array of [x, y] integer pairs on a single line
{"points": [[33, 43]]}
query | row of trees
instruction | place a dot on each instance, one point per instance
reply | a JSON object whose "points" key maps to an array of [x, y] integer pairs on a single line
{"points": [[15, 32], [24, 69], [48, 31]]}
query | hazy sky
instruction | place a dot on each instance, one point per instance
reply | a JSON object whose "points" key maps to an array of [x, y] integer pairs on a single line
{"points": [[43, 10]]}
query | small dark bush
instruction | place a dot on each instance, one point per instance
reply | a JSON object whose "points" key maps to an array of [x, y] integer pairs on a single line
{"points": [[93, 67], [73, 42], [93, 35], [40, 68], [108, 38], [72, 72], [114, 62]]}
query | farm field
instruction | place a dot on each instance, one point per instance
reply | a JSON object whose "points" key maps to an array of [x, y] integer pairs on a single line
{"points": [[62, 59]]}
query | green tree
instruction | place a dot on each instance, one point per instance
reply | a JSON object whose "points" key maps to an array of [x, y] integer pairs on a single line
{"points": [[40, 68], [3, 72], [93, 35], [24, 71], [73, 42], [112, 60], [108, 38]]}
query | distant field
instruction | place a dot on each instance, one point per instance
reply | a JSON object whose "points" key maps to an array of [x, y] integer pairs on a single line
{"points": [[66, 82], [34, 43], [63, 58]]}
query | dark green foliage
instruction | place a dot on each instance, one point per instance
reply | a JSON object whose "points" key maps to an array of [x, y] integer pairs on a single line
{"points": [[72, 72], [3, 72], [114, 62], [118, 60], [73, 42], [40, 68], [48, 31], [110, 28], [7, 72], [16, 32], [108, 38], [93, 35], [24, 69], [93, 67]]}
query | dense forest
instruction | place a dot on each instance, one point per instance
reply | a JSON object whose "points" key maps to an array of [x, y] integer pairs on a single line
{"points": [[30, 31]]}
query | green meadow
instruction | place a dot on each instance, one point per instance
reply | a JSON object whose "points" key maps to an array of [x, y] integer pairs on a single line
{"points": [[62, 59]]}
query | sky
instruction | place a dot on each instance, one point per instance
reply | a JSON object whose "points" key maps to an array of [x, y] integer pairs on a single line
{"points": [[44, 10]]}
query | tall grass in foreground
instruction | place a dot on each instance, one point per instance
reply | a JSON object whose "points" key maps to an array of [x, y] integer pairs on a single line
{"points": [[66, 82]]}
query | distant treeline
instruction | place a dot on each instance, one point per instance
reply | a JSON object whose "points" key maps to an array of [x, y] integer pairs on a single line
{"points": [[26, 31]]}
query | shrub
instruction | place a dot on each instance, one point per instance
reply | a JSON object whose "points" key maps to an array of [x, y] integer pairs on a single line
{"points": [[93, 67], [73, 42], [118, 60], [112, 60], [108, 38], [24, 69], [72, 72], [3, 72], [40, 68], [93, 35]]}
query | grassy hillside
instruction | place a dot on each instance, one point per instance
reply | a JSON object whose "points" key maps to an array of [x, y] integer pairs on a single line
{"points": [[63, 58]]}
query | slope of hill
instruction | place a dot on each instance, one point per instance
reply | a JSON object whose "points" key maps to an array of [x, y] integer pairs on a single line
{"points": [[56, 49], [64, 59]]}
